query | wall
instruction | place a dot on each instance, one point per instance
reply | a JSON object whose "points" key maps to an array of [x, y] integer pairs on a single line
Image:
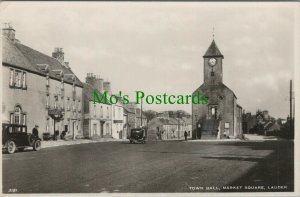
{"points": [[225, 108], [33, 101]]}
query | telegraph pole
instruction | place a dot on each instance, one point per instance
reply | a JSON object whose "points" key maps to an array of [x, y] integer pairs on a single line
{"points": [[291, 105], [141, 113]]}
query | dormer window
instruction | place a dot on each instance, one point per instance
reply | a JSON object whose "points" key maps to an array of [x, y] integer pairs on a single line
{"points": [[70, 77], [43, 67], [58, 73]]}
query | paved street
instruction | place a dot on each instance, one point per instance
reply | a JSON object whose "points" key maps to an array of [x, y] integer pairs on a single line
{"points": [[152, 167]]}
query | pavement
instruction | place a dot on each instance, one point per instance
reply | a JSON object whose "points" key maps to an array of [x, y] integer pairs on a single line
{"points": [[51, 143], [172, 166], [261, 137]]}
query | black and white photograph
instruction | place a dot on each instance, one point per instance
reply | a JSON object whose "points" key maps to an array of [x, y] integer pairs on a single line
{"points": [[149, 97]]}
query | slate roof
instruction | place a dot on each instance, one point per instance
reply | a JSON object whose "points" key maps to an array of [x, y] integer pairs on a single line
{"points": [[187, 120], [23, 57], [213, 51], [128, 110], [165, 121]]}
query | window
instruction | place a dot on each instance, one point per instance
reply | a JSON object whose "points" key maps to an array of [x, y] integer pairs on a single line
{"points": [[213, 111], [47, 81], [55, 102], [62, 84], [24, 80], [226, 125], [213, 114], [47, 101], [47, 124], [18, 117], [17, 79], [11, 81], [24, 119], [68, 104], [79, 106]]}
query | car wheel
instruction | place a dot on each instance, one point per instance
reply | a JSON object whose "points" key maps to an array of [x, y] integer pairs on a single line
{"points": [[37, 145], [11, 147]]}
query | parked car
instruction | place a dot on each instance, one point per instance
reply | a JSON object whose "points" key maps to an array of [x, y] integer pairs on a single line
{"points": [[15, 137], [137, 135]]}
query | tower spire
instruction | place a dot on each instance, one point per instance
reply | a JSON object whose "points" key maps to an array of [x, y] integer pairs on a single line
{"points": [[213, 33]]}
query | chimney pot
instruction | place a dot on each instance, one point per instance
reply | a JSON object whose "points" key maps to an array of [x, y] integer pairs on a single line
{"points": [[8, 31], [58, 54]]}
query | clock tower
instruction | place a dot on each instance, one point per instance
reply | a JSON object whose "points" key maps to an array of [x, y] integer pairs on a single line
{"points": [[213, 72], [221, 116]]}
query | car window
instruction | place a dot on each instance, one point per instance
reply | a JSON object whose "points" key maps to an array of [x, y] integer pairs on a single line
{"points": [[19, 129]]}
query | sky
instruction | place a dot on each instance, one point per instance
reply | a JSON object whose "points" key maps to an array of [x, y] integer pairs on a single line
{"points": [[157, 47]]}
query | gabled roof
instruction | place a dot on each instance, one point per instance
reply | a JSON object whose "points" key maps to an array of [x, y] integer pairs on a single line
{"points": [[18, 55], [187, 120], [213, 51], [165, 121], [128, 110]]}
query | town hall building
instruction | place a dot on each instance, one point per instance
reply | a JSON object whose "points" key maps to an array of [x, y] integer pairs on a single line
{"points": [[221, 117]]}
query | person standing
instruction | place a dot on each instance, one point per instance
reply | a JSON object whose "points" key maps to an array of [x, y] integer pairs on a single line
{"points": [[35, 131], [185, 135]]}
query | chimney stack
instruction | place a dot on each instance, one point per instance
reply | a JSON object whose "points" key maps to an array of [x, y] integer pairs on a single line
{"points": [[266, 114], [58, 54], [99, 84], [95, 81], [90, 79], [8, 31], [106, 87]]}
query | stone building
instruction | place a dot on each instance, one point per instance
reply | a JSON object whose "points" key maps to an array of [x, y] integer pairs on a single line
{"points": [[221, 117], [128, 121], [167, 128], [118, 121], [104, 120], [38, 89], [135, 117], [97, 116]]}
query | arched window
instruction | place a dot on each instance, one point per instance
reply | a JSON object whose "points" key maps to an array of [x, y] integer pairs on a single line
{"points": [[18, 113], [18, 116]]}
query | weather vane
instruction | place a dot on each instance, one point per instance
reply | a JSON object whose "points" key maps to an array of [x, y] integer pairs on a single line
{"points": [[213, 32]]}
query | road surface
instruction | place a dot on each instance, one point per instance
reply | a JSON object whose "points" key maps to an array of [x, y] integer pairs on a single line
{"points": [[173, 166]]}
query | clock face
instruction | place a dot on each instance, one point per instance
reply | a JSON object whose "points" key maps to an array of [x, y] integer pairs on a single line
{"points": [[212, 61]]}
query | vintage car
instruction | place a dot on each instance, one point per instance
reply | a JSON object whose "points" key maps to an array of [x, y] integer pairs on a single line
{"points": [[15, 137], [137, 135]]}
